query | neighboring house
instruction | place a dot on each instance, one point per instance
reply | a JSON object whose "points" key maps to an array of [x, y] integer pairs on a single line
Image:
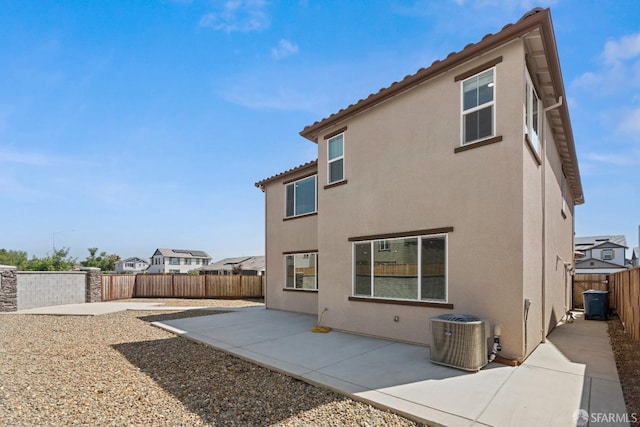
{"points": [[450, 191], [635, 257], [132, 265], [601, 254], [249, 265], [177, 261]]}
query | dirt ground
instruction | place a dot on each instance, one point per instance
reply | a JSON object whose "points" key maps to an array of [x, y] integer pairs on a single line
{"points": [[627, 355]]}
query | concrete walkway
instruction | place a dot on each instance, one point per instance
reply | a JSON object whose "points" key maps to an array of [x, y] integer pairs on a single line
{"points": [[573, 370], [99, 308]]}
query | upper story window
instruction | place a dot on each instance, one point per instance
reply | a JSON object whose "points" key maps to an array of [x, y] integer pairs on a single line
{"points": [[174, 261], [187, 261], [478, 107], [532, 114], [335, 158], [301, 197], [607, 254]]}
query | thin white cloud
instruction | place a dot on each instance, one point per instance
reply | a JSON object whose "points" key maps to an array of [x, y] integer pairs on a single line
{"points": [[627, 47], [238, 16], [285, 48], [619, 62], [630, 122], [626, 159], [33, 159]]}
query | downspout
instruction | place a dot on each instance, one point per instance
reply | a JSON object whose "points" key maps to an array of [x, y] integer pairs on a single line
{"points": [[264, 279], [543, 160]]}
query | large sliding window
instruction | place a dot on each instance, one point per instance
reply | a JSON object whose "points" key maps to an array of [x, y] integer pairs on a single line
{"points": [[409, 268], [301, 271], [301, 197], [478, 107]]}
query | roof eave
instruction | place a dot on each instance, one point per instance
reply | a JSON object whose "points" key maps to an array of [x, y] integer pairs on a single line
{"points": [[488, 42]]}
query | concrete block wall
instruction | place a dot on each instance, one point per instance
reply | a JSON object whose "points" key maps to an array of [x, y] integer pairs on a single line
{"points": [[41, 289]]}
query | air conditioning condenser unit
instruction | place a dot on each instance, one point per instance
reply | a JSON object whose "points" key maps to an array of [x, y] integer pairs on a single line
{"points": [[460, 341]]}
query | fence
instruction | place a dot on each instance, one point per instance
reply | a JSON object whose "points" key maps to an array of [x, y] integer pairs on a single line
{"points": [[181, 286], [120, 286], [627, 299], [21, 290], [585, 282]]}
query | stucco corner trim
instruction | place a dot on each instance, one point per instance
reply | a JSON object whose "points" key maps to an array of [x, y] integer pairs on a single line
{"points": [[289, 218], [478, 69], [336, 133], [403, 302], [424, 232], [315, 291], [531, 148], [478, 144], [335, 184]]}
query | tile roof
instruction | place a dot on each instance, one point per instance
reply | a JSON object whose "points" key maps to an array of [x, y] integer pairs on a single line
{"points": [[256, 263], [437, 67], [183, 253], [308, 165], [588, 242], [536, 19]]}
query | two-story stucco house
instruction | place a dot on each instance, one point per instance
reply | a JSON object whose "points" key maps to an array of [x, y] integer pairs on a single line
{"points": [[177, 261], [132, 265], [450, 191], [601, 254]]}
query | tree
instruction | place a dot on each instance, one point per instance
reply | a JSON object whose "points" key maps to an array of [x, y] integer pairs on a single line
{"points": [[59, 260], [103, 261], [15, 258]]}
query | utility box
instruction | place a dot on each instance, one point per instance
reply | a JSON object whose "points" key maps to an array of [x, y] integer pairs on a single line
{"points": [[459, 341], [596, 304]]}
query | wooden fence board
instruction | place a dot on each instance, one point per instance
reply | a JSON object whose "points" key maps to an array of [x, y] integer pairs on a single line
{"points": [[154, 286], [585, 282], [114, 287], [627, 300], [120, 286]]}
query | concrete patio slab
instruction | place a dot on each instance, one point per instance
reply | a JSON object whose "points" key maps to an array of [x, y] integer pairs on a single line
{"points": [[99, 308], [573, 370]]}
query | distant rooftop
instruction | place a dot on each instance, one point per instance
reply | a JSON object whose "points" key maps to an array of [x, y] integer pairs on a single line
{"points": [[588, 242]]}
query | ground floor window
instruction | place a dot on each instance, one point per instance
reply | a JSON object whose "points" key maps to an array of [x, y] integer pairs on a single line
{"points": [[301, 271], [412, 268]]}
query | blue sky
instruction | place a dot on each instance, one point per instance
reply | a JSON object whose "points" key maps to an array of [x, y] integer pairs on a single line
{"points": [[133, 125]]}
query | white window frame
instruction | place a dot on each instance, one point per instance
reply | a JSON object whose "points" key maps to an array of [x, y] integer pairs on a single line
{"points": [[492, 104], [530, 95], [608, 251], [330, 161], [374, 243], [305, 255], [383, 245], [315, 196]]}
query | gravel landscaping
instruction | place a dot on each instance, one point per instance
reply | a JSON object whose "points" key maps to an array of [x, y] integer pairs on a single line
{"points": [[627, 355], [117, 369]]}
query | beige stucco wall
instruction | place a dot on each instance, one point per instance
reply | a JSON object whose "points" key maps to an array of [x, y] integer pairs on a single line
{"points": [[403, 175], [299, 234], [559, 241]]}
